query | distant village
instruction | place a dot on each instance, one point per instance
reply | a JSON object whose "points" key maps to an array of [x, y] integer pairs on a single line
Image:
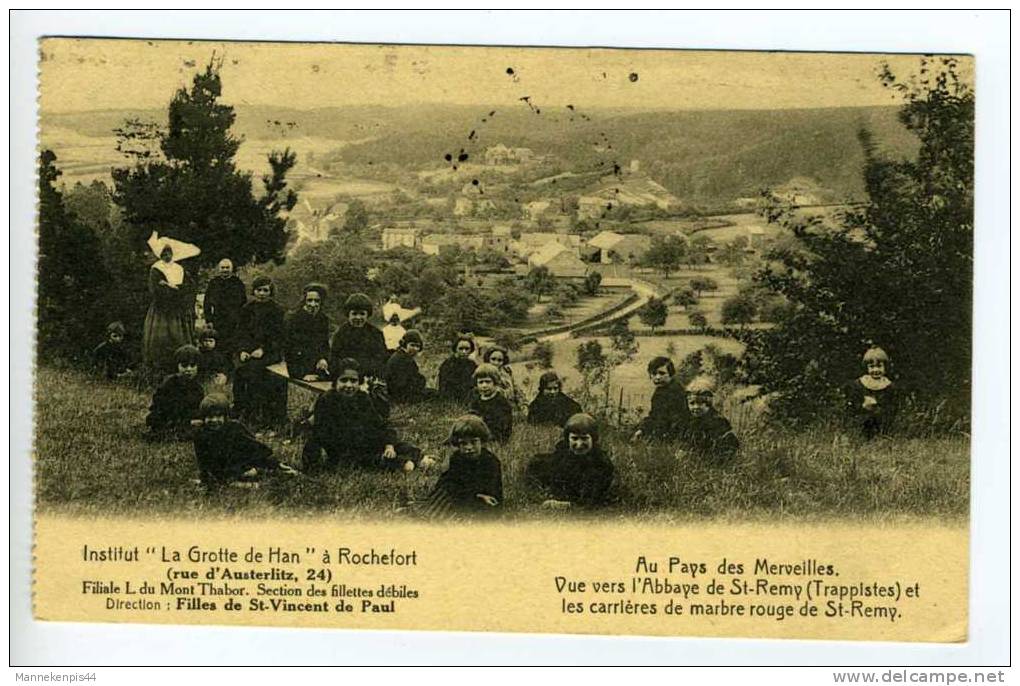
{"points": [[567, 232]]}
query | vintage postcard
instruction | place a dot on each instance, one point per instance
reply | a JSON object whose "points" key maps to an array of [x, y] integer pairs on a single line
{"points": [[599, 341]]}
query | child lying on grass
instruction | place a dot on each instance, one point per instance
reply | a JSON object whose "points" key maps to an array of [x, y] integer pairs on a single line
{"points": [[227, 452], [551, 406]]}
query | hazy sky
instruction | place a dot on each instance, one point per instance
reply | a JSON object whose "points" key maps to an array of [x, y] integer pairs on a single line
{"points": [[91, 74]]}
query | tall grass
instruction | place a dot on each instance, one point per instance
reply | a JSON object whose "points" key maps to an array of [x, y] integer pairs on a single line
{"points": [[90, 458]]}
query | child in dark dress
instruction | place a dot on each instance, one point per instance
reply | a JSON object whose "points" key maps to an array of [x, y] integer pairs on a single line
{"points": [[112, 357], [577, 472], [404, 381], [260, 396], [358, 339], [456, 374], [668, 415], [351, 426], [213, 364], [175, 403], [871, 398], [226, 451], [708, 434], [473, 482], [490, 404], [307, 330], [551, 406]]}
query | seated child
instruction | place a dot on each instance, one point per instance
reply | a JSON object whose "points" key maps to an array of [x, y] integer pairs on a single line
{"points": [[175, 403], [225, 450], [871, 398], [404, 381], [551, 406], [499, 357], [112, 356], [668, 415], [359, 339], [708, 434], [473, 483], [306, 331], [491, 405], [351, 426], [213, 364], [577, 472], [456, 374]]}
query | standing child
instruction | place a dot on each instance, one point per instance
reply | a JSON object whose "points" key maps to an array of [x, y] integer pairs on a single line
{"points": [[359, 340], [668, 415], [393, 332], [473, 483], [708, 434], [456, 374], [871, 398], [213, 363], [307, 332], [175, 403], [491, 405], [577, 472], [260, 396], [225, 450], [351, 426], [112, 356], [551, 406]]}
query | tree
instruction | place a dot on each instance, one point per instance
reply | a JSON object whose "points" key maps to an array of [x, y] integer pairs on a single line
{"points": [[697, 252], [72, 274], [739, 309], [685, 298], [543, 354], [703, 283], [665, 254], [184, 182], [653, 313], [590, 358], [592, 282], [698, 320], [896, 271], [356, 219], [539, 281]]}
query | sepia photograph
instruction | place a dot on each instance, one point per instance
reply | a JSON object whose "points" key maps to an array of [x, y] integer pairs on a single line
{"points": [[451, 284]]}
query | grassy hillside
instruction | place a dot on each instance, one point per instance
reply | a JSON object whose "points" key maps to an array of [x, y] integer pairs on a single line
{"points": [[90, 459]]}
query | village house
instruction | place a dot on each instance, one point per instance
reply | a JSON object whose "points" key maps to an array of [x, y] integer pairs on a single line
{"points": [[539, 209], [560, 260], [396, 237], [530, 242], [500, 154], [312, 224], [616, 248], [634, 190]]}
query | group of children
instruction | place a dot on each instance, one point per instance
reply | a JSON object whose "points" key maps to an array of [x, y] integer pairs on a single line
{"points": [[349, 426]]}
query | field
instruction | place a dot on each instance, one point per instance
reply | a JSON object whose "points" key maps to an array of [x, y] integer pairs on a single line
{"points": [[90, 459]]}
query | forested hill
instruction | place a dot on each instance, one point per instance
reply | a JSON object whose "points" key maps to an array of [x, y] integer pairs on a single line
{"points": [[702, 156]]}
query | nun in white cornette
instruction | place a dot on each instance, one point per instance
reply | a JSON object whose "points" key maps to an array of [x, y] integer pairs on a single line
{"points": [[170, 322]]}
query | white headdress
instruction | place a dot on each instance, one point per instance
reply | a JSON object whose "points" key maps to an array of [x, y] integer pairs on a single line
{"points": [[181, 251]]}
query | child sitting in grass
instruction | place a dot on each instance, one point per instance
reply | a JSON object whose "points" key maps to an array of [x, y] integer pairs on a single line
{"points": [[112, 356], [708, 434], [871, 398], [491, 405], [668, 415], [175, 403], [499, 357], [226, 451], [456, 374], [577, 472], [551, 406], [213, 363], [473, 482], [351, 426], [404, 381]]}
